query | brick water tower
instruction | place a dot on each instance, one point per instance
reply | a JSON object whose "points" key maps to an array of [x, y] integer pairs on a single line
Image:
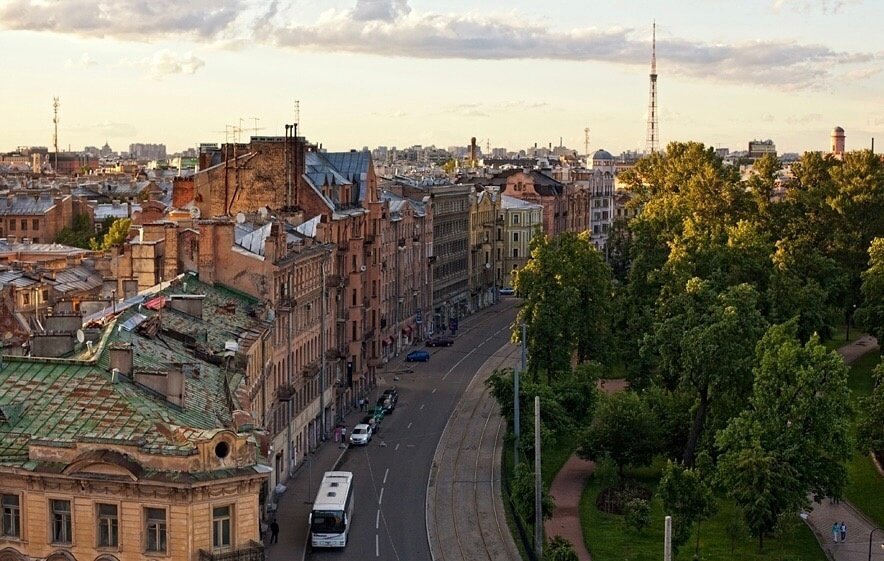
{"points": [[838, 142]]}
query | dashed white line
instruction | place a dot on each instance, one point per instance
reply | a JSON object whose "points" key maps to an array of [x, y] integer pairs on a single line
{"points": [[397, 446], [466, 356], [434, 390], [422, 406], [381, 497], [377, 546], [386, 473], [409, 425], [377, 520]]}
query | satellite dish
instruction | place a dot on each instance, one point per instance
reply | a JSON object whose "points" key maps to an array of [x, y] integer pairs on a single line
{"points": [[194, 213], [240, 218], [80, 336]]}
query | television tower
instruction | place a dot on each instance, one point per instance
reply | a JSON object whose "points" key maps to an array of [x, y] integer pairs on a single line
{"points": [[652, 141], [55, 136]]}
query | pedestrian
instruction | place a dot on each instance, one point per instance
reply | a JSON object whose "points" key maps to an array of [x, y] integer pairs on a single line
{"points": [[343, 434], [362, 404], [337, 434], [274, 532], [836, 531], [843, 532]]}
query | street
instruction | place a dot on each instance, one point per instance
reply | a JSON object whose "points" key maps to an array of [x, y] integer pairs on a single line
{"points": [[391, 473]]}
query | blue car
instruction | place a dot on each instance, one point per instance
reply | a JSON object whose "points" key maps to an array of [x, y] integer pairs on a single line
{"points": [[417, 356]]}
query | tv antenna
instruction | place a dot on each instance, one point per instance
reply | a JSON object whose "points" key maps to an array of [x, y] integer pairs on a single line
{"points": [[586, 141], [298, 113], [55, 105]]}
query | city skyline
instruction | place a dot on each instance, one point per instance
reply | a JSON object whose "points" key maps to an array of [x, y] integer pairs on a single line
{"points": [[403, 72]]}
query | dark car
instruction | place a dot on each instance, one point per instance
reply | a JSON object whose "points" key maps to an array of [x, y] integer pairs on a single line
{"points": [[440, 342], [417, 356], [392, 395], [386, 404]]}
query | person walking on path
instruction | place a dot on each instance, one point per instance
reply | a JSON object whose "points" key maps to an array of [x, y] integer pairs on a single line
{"points": [[344, 434], [836, 531], [843, 530], [274, 531]]}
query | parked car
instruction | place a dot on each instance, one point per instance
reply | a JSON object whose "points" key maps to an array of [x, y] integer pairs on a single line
{"points": [[361, 435], [440, 342], [506, 291], [386, 404], [418, 356], [393, 395]]}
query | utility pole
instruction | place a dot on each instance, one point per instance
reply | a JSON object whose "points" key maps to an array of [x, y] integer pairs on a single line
{"points": [[667, 540], [324, 345], [538, 484], [524, 348], [516, 419]]}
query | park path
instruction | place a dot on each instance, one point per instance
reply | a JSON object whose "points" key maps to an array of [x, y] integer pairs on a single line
{"points": [[567, 488], [859, 527]]}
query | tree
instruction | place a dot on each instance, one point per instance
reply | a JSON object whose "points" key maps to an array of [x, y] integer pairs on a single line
{"points": [[870, 421], [116, 234], [871, 314], [687, 498], [705, 342], [559, 549], [567, 290], [78, 234], [523, 494], [618, 415], [793, 439]]}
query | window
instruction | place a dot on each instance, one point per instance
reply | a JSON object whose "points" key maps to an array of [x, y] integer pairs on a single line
{"points": [[155, 526], [12, 225], [11, 526], [108, 526], [515, 236], [515, 218], [61, 521], [24, 225], [516, 252], [35, 224], [221, 527]]}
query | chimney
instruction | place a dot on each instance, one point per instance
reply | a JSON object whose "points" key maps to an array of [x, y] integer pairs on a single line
{"points": [[122, 358], [168, 383]]}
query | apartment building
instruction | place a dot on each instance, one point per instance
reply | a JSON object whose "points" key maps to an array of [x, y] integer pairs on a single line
{"points": [[519, 222], [484, 216]]}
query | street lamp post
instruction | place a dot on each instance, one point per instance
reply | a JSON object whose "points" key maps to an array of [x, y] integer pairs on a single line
{"points": [[872, 533], [850, 312]]}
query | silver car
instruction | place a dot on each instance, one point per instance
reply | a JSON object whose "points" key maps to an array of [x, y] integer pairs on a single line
{"points": [[361, 435]]}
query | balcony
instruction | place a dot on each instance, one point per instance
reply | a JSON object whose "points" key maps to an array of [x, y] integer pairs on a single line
{"points": [[332, 354], [252, 551], [369, 239], [334, 281], [368, 335], [285, 392]]}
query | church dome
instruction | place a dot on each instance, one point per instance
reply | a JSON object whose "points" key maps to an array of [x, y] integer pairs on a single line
{"points": [[602, 155]]}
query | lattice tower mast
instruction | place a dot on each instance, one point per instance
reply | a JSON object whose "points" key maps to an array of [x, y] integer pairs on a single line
{"points": [[652, 140]]}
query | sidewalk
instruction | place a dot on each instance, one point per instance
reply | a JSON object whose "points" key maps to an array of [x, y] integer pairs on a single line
{"points": [[823, 515], [567, 488]]}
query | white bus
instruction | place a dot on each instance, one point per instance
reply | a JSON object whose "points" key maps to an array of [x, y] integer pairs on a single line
{"points": [[332, 510]]}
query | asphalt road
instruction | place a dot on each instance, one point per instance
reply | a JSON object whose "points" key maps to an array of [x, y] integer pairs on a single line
{"points": [[391, 473]]}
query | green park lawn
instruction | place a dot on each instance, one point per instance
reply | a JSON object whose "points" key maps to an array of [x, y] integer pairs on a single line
{"points": [[865, 485], [838, 340], [607, 538]]}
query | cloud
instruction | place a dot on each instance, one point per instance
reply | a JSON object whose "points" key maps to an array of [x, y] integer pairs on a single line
{"points": [[167, 63], [825, 6], [803, 119], [139, 20], [85, 61], [391, 28], [106, 129]]}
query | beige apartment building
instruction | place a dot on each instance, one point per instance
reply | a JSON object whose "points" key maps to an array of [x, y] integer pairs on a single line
{"points": [[520, 221]]}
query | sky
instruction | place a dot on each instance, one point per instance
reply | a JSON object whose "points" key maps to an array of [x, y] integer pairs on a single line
{"points": [[512, 73]]}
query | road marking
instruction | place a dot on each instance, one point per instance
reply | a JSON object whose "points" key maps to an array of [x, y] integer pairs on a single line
{"points": [[381, 497], [377, 546], [386, 473], [466, 356], [422, 406], [434, 390], [409, 425], [377, 520], [397, 446]]}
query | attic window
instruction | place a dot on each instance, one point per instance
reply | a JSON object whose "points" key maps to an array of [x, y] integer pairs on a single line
{"points": [[222, 449]]}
